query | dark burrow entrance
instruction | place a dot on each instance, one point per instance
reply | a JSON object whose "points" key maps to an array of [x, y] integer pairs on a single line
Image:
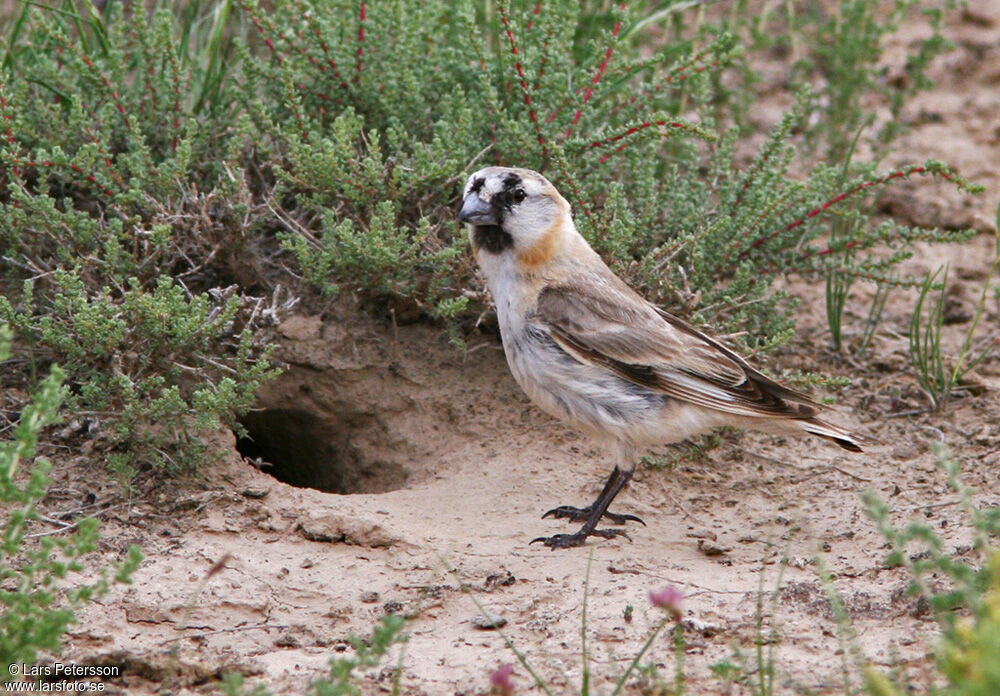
{"points": [[310, 450]]}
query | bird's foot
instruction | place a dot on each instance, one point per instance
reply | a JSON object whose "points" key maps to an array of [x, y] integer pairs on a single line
{"points": [[575, 514], [568, 541]]}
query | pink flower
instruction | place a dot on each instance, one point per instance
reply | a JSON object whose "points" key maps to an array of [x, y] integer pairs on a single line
{"points": [[501, 680], [669, 598]]}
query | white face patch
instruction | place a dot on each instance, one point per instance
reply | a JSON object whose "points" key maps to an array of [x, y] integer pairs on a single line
{"points": [[491, 181], [525, 203]]}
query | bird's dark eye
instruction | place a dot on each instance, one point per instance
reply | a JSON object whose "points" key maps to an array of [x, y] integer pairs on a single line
{"points": [[519, 195]]}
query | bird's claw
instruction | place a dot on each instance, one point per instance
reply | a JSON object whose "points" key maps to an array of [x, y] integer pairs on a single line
{"points": [[568, 541], [575, 514]]}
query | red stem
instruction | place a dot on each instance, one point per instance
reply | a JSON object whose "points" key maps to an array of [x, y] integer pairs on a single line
{"points": [[255, 18], [534, 13], [632, 131], [520, 74], [597, 77], [545, 56], [361, 41], [751, 175], [107, 157], [679, 74], [8, 117], [552, 116], [326, 51], [90, 64], [899, 174], [76, 168], [575, 190]]}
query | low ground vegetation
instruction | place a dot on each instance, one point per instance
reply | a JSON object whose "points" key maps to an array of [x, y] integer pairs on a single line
{"points": [[176, 179]]}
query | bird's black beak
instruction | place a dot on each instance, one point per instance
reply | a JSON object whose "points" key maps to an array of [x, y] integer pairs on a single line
{"points": [[476, 211]]}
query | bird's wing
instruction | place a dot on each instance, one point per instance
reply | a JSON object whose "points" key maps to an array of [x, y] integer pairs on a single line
{"points": [[604, 322]]}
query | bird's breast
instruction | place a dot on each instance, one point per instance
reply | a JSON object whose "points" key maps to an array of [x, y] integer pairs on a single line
{"points": [[586, 397]]}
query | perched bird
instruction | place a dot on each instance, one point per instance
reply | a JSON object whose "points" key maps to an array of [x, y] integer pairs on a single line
{"points": [[592, 352]]}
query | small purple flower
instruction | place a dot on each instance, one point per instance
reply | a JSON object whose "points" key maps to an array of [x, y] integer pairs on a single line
{"points": [[669, 598], [501, 680]]}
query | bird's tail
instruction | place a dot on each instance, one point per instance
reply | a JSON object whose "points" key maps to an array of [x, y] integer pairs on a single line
{"points": [[831, 432]]}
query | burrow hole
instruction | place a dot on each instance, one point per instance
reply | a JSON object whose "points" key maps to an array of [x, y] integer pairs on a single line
{"points": [[312, 449]]}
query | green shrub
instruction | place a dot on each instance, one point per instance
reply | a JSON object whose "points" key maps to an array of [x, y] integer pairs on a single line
{"points": [[970, 654], [845, 47], [376, 117], [128, 212], [38, 605], [152, 158], [128, 352], [961, 589]]}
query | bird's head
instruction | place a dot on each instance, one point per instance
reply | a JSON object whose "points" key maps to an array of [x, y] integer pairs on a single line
{"points": [[514, 211]]}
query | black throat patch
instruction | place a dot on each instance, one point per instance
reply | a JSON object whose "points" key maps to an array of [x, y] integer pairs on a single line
{"points": [[492, 238]]}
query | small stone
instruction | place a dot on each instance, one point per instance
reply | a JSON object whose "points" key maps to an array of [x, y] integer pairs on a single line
{"points": [[501, 579], [710, 548], [393, 607], [905, 452], [287, 640], [488, 621], [255, 493], [369, 597], [705, 628]]}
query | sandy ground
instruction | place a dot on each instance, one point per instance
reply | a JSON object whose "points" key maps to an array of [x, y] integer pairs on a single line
{"points": [[450, 469]]}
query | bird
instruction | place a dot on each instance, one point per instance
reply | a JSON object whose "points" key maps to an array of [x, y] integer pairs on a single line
{"points": [[592, 352]]}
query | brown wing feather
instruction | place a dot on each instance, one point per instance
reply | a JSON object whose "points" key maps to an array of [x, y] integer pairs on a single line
{"points": [[606, 323]]}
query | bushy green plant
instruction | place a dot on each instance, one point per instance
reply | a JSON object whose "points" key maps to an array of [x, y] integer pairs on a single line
{"points": [[844, 44], [376, 117], [970, 654], [960, 589], [128, 213], [840, 48], [38, 606], [129, 354]]}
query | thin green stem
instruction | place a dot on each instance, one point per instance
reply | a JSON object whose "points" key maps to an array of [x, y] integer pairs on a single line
{"points": [[958, 372], [620, 684], [679, 659], [510, 644]]}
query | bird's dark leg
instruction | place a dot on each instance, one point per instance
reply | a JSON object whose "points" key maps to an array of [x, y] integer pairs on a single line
{"points": [[575, 514], [592, 514]]}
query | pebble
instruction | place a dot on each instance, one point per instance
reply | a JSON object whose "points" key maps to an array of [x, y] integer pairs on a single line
{"points": [[705, 628], [710, 548], [488, 621]]}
